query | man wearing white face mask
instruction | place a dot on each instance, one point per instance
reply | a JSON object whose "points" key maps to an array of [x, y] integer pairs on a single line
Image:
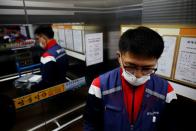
{"points": [[131, 97], [54, 62]]}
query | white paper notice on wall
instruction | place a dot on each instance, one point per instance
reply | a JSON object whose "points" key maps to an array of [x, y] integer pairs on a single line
{"points": [[186, 63], [166, 60], [69, 38], [23, 30], [77, 38], [94, 48], [61, 40]]}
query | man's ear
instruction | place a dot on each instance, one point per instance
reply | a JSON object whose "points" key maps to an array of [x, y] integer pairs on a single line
{"points": [[118, 56], [45, 39]]}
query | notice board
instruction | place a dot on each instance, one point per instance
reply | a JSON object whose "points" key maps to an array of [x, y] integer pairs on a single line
{"points": [[186, 62], [165, 62]]}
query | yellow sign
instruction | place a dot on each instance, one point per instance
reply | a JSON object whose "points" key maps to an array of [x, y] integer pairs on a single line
{"points": [[37, 96]]}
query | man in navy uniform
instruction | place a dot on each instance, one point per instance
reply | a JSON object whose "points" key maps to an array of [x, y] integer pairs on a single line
{"points": [[130, 97], [54, 62]]}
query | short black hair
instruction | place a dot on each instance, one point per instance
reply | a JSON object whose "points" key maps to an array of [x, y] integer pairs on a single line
{"points": [[142, 41], [45, 30]]}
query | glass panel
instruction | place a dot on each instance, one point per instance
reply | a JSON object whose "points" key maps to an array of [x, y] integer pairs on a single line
{"points": [[20, 59]]}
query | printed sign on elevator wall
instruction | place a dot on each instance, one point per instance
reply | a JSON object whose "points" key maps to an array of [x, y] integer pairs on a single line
{"points": [[94, 48], [186, 64]]}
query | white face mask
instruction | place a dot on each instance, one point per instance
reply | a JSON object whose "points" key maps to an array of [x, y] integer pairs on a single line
{"points": [[133, 80], [41, 45]]}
